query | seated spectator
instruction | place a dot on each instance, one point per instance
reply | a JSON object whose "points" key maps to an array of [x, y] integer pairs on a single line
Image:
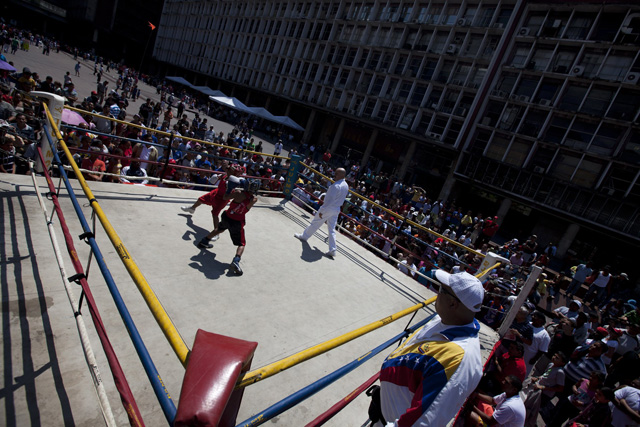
{"points": [[568, 312], [625, 408], [598, 412], [94, 164], [504, 409], [580, 396]]}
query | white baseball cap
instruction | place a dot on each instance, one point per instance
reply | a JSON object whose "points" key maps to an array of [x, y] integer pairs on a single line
{"points": [[468, 289]]}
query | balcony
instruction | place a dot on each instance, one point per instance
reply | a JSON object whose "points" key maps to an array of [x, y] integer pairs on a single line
{"points": [[581, 204]]}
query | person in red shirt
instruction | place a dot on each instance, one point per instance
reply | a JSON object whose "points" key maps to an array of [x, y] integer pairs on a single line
{"points": [[94, 164], [233, 219], [215, 198], [512, 363]]}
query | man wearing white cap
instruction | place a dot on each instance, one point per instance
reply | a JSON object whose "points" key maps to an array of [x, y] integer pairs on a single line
{"points": [[426, 380]]}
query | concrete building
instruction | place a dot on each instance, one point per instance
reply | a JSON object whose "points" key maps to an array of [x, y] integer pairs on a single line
{"points": [[525, 108]]}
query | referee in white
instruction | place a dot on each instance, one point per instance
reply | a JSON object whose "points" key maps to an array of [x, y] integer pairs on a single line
{"points": [[329, 211]]}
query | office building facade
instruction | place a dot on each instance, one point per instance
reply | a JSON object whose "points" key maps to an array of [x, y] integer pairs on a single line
{"points": [[527, 108]]}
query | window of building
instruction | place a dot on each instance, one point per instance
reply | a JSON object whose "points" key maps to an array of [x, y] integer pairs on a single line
{"points": [[547, 91], [425, 39], [573, 97], [439, 42], [497, 147], [351, 57], [428, 70], [414, 65], [557, 129], [435, 14], [564, 166], [434, 98], [394, 114], [486, 16], [625, 106], [439, 124], [580, 134], [492, 113], [521, 55], [541, 58], [607, 26], [412, 39], [591, 62], [555, 24], [580, 25], [405, 88], [588, 172], [377, 86], [518, 152], [532, 124], [386, 62], [374, 58], [452, 134], [511, 117], [368, 108], [534, 22], [616, 66], [445, 72], [631, 150], [425, 122], [405, 14], [526, 87], [606, 139], [504, 15], [598, 101], [451, 14], [391, 88], [407, 119], [418, 95], [396, 38], [422, 14], [507, 83], [461, 72], [382, 112], [473, 45], [563, 60], [490, 47], [470, 14]]}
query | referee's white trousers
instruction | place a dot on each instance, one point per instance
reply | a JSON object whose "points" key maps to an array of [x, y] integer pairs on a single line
{"points": [[331, 218]]}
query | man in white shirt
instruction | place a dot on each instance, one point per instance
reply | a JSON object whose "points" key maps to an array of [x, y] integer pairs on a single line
{"points": [[539, 344], [625, 409], [329, 212], [509, 408]]}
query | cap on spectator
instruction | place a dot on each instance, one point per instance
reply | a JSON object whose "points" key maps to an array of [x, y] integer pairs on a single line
{"points": [[602, 331], [631, 303], [26, 70], [578, 303], [624, 275], [467, 288], [616, 331]]}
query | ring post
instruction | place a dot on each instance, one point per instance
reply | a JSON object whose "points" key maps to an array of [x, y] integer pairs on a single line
{"points": [[56, 105], [292, 176]]}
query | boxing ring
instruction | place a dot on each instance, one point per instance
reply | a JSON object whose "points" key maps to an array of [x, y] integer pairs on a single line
{"points": [[216, 368]]}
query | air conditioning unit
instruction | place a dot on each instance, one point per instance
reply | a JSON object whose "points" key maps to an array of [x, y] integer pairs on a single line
{"points": [[502, 94], [545, 102], [632, 78], [513, 97], [524, 31], [578, 70], [435, 135], [452, 48], [434, 106], [486, 121], [524, 98], [538, 169], [458, 40], [556, 23], [461, 22]]}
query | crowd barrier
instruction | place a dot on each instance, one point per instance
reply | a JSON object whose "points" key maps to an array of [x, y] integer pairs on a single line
{"points": [[172, 335]]}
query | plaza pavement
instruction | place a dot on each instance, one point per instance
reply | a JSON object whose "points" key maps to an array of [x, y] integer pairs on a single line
{"points": [[290, 298]]}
